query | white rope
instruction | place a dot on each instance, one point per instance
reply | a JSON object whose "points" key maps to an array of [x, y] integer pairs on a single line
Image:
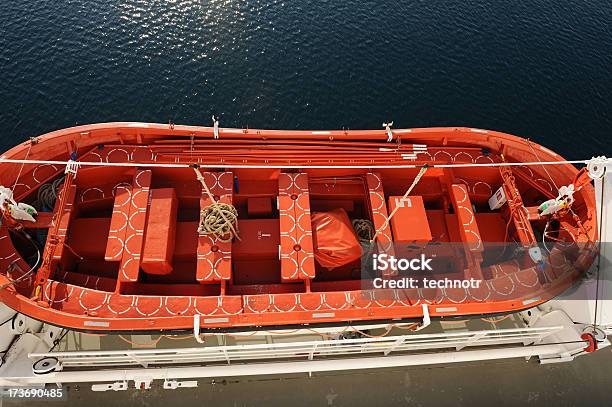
{"points": [[544, 168], [22, 165], [265, 166]]}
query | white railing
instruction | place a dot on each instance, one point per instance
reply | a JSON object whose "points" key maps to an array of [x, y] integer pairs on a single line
{"points": [[310, 350]]}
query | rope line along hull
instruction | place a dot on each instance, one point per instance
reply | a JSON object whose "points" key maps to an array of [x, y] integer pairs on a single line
{"points": [[122, 251]]}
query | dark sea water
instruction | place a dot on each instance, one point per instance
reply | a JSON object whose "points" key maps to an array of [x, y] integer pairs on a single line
{"points": [[538, 69]]}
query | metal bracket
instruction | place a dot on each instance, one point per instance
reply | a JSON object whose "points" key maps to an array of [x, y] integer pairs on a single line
{"points": [[117, 386], [175, 384], [387, 127], [215, 127], [597, 166], [72, 167], [143, 383], [426, 319], [196, 329]]}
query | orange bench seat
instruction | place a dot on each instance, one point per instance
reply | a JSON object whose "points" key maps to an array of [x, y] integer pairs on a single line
{"points": [[296, 244], [468, 228], [160, 233], [379, 214], [130, 249], [64, 221], [214, 257]]}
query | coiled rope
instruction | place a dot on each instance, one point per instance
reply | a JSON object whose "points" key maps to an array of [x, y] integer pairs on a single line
{"points": [[47, 194], [364, 228], [219, 219]]}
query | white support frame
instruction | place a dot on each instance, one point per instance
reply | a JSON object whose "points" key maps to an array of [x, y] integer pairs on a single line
{"points": [[296, 350], [142, 366]]}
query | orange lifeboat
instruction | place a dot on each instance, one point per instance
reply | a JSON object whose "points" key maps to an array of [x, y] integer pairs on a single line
{"points": [[150, 227]]}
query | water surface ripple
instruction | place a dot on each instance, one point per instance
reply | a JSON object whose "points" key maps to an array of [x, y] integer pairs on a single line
{"points": [[538, 69]]}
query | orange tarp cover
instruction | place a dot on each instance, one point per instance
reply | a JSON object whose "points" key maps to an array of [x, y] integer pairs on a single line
{"points": [[335, 241]]}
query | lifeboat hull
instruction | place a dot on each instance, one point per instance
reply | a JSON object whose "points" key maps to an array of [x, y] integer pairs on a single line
{"points": [[120, 207]]}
